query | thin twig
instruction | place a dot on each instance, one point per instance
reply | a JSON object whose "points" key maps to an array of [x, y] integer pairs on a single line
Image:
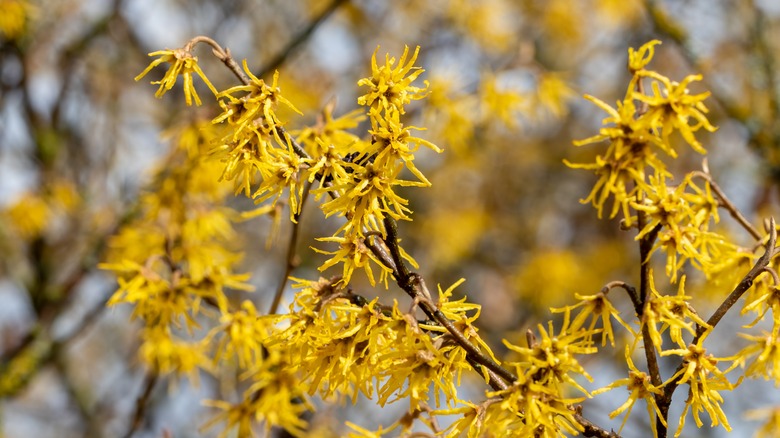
{"points": [[590, 429], [292, 258], [727, 204], [142, 403], [414, 285], [665, 399], [222, 54], [645, 247], [746, 282], [630, 290]]}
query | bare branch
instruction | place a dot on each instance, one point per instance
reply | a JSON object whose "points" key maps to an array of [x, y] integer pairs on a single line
{"points": [[728, 205]]}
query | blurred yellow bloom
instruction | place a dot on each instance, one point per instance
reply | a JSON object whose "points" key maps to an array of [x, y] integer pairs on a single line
{"points": [[14, 17], [771, 415], [274, 398], [766, 349], [553, 94], [164, 353], [498, 101], [30, 216]]}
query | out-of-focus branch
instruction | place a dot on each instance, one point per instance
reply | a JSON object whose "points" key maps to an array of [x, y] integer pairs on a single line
{"points": [[667, 26], [142, 403], [728, 205], [301, 37]]}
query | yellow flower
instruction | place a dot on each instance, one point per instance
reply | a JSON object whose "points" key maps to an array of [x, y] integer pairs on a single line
{"points": [[394, 142], [684, 218], [255, 106], [30, 216], [552, 359], [274, 398], [638, 59], [354, 254], [598, 307], [331, 132], [639, 386], [674, 108], [704, 379], [539, 409], [183, 63], [769, 298], [366, 196], [672, 312], [282, 172], [772, 424], [553, 93], [242, 334], [390, 84], [766, 348], [628, 154], [165, 353], [499, 102]]}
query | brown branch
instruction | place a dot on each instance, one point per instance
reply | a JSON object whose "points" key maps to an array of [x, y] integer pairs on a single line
{"points": [[414, 285], [630, 290], [727, 204], [746, 282], [142, 403], [225, 56], [292, 258], [590, 429], [645, 248], [222, 54]]}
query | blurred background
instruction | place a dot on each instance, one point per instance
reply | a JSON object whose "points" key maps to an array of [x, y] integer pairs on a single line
{"points": [[80, 141]]}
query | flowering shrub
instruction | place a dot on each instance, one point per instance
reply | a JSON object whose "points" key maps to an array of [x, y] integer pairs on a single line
{"points": [[335, 342], [178, 261]]}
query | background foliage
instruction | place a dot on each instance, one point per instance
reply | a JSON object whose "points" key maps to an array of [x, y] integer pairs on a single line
{"points": [[80, 149]]}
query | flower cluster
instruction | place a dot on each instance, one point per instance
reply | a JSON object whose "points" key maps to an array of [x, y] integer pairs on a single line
{"points": [[347, 346], [640, 127], [256, 150], [363, 187], [677, 219], [173, 261], [538, 402]]}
